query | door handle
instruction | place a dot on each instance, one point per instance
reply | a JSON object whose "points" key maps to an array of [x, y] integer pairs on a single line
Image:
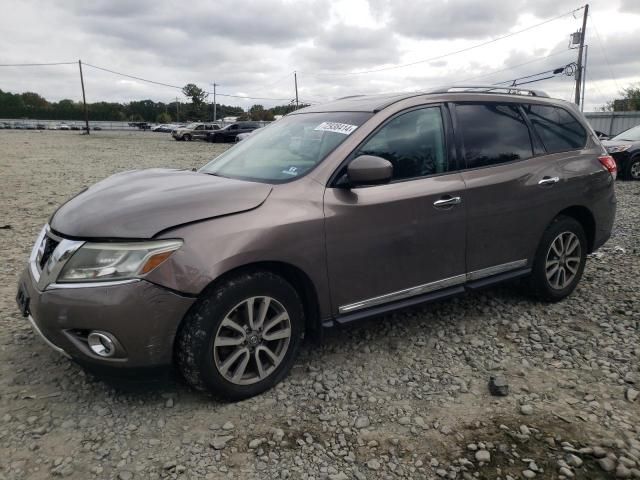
{"points": [[549, 180], [447, 202]]}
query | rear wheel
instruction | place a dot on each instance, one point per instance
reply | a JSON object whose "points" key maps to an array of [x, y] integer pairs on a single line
{"points": [[242, 338], [187, 137], [633, 169], [560, 260]]}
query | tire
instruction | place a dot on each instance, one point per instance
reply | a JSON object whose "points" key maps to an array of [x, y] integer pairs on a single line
{"points": [[632, 171], [548, 284], [187, 137], [218, 317]]}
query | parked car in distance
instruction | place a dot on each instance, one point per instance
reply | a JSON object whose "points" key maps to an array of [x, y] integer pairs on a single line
{"points": [[229, 132], [335, 213], [7, 125], [97, 127], [74, 127], [41, 126], [194, 131], [242, 136], [164, 127], [625, 149], [64, 126]]}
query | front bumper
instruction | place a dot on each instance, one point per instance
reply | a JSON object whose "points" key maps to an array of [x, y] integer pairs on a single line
{"points": [[142, 316]]}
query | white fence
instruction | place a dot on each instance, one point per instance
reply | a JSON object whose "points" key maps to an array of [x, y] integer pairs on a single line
{"points": [[613, 123]]}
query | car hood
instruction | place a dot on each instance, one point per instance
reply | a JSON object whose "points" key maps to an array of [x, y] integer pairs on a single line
{"points": [[617, 143], [142, 203]]}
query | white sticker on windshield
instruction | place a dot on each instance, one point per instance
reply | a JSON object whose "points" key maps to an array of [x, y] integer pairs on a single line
{"points": [[343, 128]]}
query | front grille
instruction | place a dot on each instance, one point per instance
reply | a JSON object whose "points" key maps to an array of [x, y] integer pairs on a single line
{"points": [[49, 245]]}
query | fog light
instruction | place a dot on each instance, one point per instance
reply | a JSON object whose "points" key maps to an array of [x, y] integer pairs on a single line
{"points": [[101, 344]]}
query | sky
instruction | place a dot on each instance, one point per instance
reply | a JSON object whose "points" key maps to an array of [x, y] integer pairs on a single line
{"points": [[250, 48]]}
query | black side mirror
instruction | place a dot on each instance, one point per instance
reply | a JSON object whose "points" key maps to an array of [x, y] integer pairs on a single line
{"points": [[369, 170]]}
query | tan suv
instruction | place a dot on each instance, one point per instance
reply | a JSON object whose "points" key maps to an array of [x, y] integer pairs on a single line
{"points": [[333, 214], [194, 131]]}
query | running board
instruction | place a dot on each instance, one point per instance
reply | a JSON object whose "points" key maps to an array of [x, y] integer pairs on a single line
{"points": [[448, 292]]}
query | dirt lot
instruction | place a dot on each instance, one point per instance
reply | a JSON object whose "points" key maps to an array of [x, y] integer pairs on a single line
{"points": [[401, 397]]}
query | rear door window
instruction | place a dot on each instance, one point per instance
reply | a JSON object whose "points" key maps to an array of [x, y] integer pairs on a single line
{"points": [[557, 128], [413, 142], [492, 134]]}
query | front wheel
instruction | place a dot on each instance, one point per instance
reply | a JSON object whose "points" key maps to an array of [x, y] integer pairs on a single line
{"points": [[560, 260], [242, 337], [187, 137], [633, 169]]}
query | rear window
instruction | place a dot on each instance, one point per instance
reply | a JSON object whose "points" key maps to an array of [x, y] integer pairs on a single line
{"points": [[557, 128], [493, 134]]}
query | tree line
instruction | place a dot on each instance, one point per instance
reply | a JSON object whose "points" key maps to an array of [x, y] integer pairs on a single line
{"points": [[30, 105]]}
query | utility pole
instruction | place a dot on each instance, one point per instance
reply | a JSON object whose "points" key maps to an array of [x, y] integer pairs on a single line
{"points": [[295, 80], [214, 100], [580, 49], [84, 99], [584, 76]]}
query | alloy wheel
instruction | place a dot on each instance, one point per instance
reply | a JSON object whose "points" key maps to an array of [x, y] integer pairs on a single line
{"points": [[634, 170], [252, 340], [563, 260]]}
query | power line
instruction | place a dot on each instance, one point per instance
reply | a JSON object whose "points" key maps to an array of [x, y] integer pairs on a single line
{"points": [[36, 64], [176, 86], [133, 76], [511, 67], [456, 52]]}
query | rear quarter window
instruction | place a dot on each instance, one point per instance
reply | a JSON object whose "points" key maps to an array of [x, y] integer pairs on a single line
{"points": [[492, 133], [556, 127]]}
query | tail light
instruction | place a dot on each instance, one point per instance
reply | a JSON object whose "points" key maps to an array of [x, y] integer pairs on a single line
{"points": [[609, 164]]}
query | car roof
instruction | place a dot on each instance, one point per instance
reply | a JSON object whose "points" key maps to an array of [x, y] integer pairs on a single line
{"points": [[375, 103]]}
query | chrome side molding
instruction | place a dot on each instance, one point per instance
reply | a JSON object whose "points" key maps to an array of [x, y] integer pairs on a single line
{"points": [[433, 286]]}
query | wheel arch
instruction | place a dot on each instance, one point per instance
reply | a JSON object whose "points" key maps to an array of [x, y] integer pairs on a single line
{"points": [[298, 279], [585, 217]]}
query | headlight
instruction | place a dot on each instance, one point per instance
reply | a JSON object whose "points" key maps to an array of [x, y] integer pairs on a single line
{"points": [[116, 261], [618, 148]]}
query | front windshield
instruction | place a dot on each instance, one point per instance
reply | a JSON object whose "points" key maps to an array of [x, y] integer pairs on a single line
{"points": [[632, 135], [288, 148], [192, 125]]}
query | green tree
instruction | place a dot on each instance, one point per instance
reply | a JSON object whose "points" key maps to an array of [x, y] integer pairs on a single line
{"points": [[195, 93], [630, 100], [163, 117]]}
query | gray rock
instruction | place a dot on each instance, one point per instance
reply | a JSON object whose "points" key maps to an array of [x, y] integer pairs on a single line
{"points": [[623, 472], [607, 464], [573, 460], [498, 386], [526, 409], [362, 422], [632, 394], [566, 471], [338, 476], [218, 443], [528, 474], [373, 464], [483, 456]]}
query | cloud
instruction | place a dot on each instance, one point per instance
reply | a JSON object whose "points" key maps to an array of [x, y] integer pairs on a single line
{"points": [[461, 19], [346, 47], [630, 6]]}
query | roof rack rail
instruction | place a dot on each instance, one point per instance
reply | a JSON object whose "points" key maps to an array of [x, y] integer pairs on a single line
{"points": [[505, 90]]}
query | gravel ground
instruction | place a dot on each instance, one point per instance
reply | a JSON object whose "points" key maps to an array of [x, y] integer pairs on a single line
{"points": [[405, 396]]}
